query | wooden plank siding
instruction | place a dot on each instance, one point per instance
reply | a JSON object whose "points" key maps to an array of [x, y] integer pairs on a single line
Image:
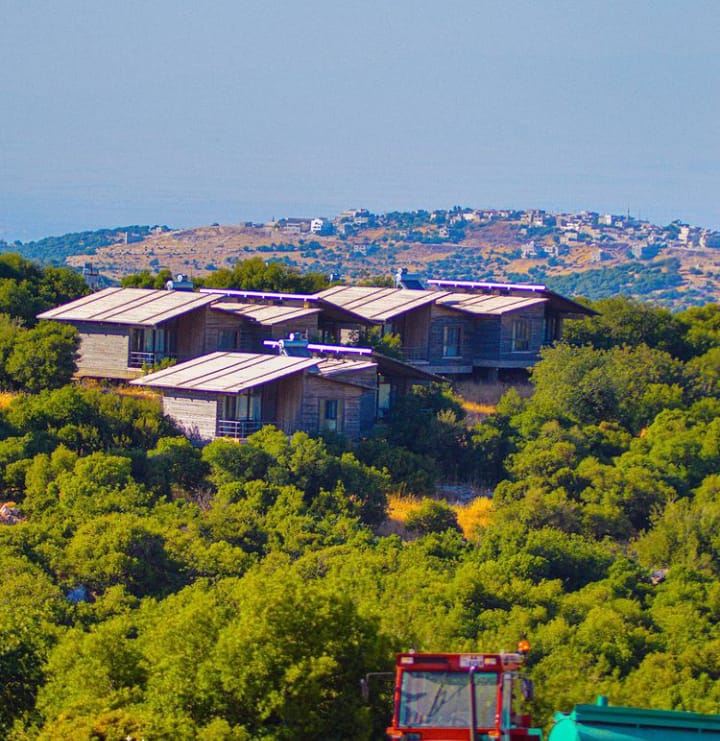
{"points": [[104, 351], [249, 337], [194, 412], [486, 342], [317, 389], [443, 319], [414, 330], [306, 326], [367, 381], [514, 358], [250, 334], [288, 393], [190, 333], [197, 413]]}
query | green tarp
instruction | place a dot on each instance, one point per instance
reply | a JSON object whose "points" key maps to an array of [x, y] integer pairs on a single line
{"points": [[602, 723]]}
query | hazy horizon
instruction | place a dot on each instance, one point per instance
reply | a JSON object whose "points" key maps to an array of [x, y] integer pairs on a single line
{"points": [[174, 113]]}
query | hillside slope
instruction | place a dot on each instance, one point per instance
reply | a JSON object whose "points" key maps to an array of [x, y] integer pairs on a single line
{"points": [[675, 266]]}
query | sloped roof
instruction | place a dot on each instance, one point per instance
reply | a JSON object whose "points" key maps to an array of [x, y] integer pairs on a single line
{"points": [[265, 315], [130, 306], [394, 367], [372, 304], [557, 301], [338, 366], [226, 372], [488, 304], [343, 370]]}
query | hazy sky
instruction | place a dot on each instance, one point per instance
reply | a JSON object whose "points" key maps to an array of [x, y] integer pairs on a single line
{"points": [[186, 113]]}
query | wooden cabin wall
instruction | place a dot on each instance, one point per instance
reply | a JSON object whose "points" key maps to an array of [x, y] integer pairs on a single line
{"points": [[305, 326], [317, 389], [195, 413], [289, 399], [367, 411], [487, 338], [215, 322], [442, 318], [536, 316], [414, 329], [104, 351], [190, 329]]}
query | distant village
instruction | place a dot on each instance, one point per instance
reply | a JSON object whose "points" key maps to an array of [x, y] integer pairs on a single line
{"points": [[549, 234], [589, 254]]}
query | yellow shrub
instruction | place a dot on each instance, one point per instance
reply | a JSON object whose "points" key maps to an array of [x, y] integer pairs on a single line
{"points": [[473, 514], [5, 398], [470, 516]]}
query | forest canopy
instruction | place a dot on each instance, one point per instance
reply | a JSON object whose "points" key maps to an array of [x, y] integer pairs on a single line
{"points": [[152, 589]]}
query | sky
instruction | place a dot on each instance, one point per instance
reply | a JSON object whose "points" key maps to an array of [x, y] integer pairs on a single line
{"points": [[189, 113]]}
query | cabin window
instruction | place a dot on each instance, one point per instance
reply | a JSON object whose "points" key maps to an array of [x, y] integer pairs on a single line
{"points": [[551, 329], [149, 345], [331, 415], [240, 414], [521, 335], [228, 339], [243, 406], [384, 398], [452, 338]]}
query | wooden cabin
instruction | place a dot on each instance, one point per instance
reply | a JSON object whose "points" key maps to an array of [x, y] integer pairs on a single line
{"points": [[244, 327], [458, 328], [123, 330], [398, 311], [454, 332], [495, 326], [226, 394]]}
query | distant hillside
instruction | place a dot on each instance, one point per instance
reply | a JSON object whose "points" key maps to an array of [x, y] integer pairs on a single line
{"points": [[56, 250], [589, 254]]}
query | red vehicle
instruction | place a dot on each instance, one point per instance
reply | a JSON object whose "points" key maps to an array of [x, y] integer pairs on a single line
{"points": [[461, 697]]}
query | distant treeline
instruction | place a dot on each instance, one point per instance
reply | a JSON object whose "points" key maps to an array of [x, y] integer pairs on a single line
{"points": [[55, 250], [648, 277]]}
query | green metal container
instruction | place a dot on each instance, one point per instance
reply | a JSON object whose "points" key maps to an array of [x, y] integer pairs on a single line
{"points": [[602, 723]]}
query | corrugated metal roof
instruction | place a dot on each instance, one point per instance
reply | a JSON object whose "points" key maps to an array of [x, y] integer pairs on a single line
{"points": [[488, 304], [559, 303], [265, 315], [376, 304], [334, 366], [131, 306], [226, 372]]}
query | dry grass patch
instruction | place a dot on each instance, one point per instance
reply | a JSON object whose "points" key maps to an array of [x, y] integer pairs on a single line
{"points": [[490, 392], [473, 407], [474, 514], [399, 507], [5, 398], [470, 516]]}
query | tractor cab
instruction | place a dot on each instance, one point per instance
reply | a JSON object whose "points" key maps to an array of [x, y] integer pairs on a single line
{"points": [[460, 697]]}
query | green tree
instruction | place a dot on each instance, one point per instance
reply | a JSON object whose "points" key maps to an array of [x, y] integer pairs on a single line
{"points": [[255, 274], [43, 357], [432, 516], [625, 321], [587, 386], [175, 466], [145, 279], [121, 548], [30, 607]]}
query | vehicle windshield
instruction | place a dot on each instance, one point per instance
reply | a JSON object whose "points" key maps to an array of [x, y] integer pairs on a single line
{"points": [[442, 700]]}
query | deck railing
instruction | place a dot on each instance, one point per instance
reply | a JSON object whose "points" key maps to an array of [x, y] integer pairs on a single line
{"points": [[148, 359], [239, 428]]}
